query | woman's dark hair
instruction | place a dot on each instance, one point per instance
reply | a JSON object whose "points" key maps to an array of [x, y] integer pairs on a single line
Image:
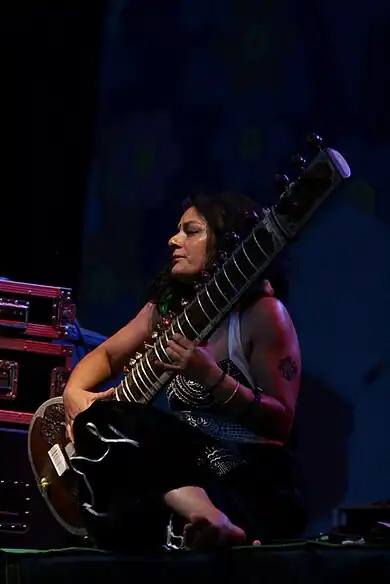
{"points": [[225, 214]]}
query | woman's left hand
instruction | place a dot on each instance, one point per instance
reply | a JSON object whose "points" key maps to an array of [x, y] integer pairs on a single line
{"points": [[196, 363]]}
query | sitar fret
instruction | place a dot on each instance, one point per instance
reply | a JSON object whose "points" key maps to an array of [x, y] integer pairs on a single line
{"points": [[255, 251], [179, 326], [126, 388], [198, 300], [220, 290], [208, 292], [139, 382], [197, 333], [229, 280], [151, 368], [248, 257], [142, 365], [195, 319], [246, 278], [235, 276], [160, 342]]}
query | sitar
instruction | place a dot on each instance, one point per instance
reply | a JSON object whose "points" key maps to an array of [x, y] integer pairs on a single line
{"points": [[51, 454]]}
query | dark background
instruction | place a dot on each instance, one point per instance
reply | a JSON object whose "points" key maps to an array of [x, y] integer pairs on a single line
{"points": [[114, 113], [49, 96]]}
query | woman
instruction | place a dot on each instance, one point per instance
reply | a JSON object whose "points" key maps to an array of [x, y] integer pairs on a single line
{"points": [[216, 468]]}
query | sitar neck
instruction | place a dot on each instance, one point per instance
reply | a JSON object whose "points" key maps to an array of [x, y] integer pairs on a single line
{"points": [[200, 318]]}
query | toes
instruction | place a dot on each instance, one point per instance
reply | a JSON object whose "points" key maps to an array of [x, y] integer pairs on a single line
{"points": [[200, 534], [237, 534]]}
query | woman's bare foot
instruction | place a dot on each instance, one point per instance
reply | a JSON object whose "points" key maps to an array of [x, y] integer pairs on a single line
{"points": [[205, 533], [207, 528]]}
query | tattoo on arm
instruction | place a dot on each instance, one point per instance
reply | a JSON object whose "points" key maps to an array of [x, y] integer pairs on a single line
{"points": [[288, 368]]}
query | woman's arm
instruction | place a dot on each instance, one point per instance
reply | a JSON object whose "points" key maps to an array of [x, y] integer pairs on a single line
{"points": [[275, 365], [108, 360]]}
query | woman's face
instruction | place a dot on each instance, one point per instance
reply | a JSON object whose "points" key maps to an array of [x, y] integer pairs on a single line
{"points": [[190, 245]]}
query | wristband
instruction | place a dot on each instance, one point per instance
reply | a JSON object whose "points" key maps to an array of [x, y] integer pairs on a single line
{"points": [[250, 407]]}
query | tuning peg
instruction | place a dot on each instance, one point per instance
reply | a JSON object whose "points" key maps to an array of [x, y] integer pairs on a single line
{"points": [[298, 162], [222, 256], [285, 204], [282, 182], [232, 239], [251, 218], [202, 280], [315, 141], [138, 356], [132, 362], [154, 335]]}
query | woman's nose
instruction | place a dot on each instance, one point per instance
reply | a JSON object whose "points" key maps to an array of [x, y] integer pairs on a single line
{"points": [[175, 242]]}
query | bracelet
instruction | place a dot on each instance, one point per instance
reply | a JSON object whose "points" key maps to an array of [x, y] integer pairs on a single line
{"points": [[230, 396], [250, 407], [217, 383]]}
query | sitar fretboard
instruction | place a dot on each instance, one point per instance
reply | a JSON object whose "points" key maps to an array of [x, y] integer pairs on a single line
{"points": [[227, 285]]}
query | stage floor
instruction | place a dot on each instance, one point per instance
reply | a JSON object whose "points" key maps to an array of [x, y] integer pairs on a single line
{"points": [[302, 563]]}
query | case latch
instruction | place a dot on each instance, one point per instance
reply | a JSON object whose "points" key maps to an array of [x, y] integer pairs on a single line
{"points": [[58, 380], [14, 313], [64, 312], [9, 375]]}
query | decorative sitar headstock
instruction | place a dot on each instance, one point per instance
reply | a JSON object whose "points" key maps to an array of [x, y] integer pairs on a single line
{"points": [[315, 178]]}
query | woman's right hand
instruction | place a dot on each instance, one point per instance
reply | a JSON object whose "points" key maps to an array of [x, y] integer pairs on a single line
{"points": [[77, 400]]}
